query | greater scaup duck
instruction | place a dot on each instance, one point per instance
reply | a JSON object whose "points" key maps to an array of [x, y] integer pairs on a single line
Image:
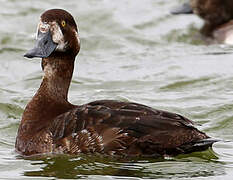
{"points": [[216, 15], [50, 124]]}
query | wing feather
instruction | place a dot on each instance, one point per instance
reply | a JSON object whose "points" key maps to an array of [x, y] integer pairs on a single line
{"points": [[121, 124]]}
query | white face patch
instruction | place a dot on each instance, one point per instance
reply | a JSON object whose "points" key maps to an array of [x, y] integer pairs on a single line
{"points": [[42, 27], [58, 36]]}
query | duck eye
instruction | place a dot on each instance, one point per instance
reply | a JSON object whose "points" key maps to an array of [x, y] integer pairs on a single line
{"points": [[63, 23]]}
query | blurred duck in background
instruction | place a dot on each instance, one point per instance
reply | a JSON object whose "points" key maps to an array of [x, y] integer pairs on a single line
{"points": [[217, 16]]}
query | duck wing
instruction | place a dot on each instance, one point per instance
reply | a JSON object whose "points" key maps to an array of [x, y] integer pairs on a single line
{"points": [[115, 127]]}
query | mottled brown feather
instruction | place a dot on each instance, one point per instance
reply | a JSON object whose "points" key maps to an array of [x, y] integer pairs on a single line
{"points": [[123, 124]]}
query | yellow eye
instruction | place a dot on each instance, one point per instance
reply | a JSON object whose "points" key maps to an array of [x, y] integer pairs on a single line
{"points": [[63, 23]]}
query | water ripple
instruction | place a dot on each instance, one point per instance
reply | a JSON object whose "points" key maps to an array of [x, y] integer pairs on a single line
{"points": [[130, 51]]}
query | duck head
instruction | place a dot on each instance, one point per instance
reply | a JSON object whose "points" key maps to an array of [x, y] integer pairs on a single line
{"points": [[215, 12], [56, 33]]}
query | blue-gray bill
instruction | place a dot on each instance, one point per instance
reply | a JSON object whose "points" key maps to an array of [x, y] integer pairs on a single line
{"points": [[183, 9], [44, 46]]}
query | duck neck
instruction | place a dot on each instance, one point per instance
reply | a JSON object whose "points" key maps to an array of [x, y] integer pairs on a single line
{"points": [[57, 78], [51, 98]]}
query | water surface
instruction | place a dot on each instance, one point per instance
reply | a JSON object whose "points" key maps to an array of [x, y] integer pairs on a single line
{"points": [[131, 51]]}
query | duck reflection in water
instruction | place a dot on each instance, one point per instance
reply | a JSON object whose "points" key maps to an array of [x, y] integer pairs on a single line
{"points": [[70, 167]]}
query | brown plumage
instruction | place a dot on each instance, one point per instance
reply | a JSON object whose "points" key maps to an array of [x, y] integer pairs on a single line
{"points": [[214, 12], [50, 124]]}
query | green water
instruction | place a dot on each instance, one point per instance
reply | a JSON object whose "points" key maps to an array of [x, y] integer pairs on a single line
{"points": [[132, 51]]}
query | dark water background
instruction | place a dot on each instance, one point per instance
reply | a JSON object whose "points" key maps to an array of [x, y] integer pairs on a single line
{"points": [[132, 50]]}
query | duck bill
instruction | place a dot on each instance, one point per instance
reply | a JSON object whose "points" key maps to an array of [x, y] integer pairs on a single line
{"points": [[183, 9], [44, 46]]}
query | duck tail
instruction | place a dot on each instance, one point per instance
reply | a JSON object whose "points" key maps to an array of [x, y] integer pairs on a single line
{"points": [[200, 145], [183, 9], [206, 142]]}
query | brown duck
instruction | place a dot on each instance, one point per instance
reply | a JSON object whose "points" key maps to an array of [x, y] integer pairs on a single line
{"points": [[50, 124], [217, 16]]}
